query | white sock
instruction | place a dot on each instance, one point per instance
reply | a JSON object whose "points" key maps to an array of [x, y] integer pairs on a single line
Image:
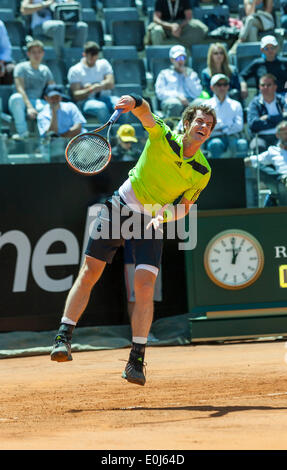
{"points": [[68, 321], [139, 340]]}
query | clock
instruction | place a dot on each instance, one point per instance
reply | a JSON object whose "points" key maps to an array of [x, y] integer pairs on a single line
{"points": [[233, 259]]}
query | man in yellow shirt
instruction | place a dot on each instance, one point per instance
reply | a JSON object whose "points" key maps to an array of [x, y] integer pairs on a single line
{"points": [[171, 165]]}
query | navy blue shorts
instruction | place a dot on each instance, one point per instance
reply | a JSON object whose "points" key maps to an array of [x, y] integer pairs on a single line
{"points": [[114, 224]]}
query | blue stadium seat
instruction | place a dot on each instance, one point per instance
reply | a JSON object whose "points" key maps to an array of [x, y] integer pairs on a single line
{"points": [[128, 33], [157, 65], [118, 14], [118, 3], [6, 14], [127, 88], [89, 14], [129, 71], [234, 5], [16, 32], [58, 69], [245, 53], [119, 52], [72, 55], [18, 54], [96, 32], [198, 54], [200, 13], [156, 52], [9, 5]]}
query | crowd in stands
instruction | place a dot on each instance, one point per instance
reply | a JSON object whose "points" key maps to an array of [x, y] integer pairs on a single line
{"points": [[250, 101]]}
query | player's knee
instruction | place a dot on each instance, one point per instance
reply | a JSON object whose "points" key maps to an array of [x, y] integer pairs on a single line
{"points": [[90, 272], [144, 286]]}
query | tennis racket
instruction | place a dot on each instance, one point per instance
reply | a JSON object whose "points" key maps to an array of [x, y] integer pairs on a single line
{"points": [[90, 153]]}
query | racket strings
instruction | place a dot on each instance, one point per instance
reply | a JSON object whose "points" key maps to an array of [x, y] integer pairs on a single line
{"points": [[89, 153]]}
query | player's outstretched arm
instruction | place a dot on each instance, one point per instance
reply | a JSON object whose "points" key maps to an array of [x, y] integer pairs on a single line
{"points": [[140, 108]]}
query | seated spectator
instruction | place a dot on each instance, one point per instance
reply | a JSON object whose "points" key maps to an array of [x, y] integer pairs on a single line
{"points": [[178, 85], [268, 63], [6, 61], [265, 112], [124, 149], [173, 24], [31, 77], [91, 81], [229, 112], [218, 62], [258, 17], [274, 157], [59, 118], [43, 24], [283, 14]]}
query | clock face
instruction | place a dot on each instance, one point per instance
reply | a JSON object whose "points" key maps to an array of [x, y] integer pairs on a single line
{"points": [[233, 259]]}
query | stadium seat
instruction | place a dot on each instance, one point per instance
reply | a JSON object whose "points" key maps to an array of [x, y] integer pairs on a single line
{"points": [[198, 54], [9, 5], [118, 3], [119, 52], [127, 88], [18, 54], [234, 5], [16, 32], [58, 69], [118, 14], [71, 56], [284, 48], [6, 14], [245, 53], [89, 14], [200, 13], [157, 65], [128, 33], [96, 32], [156, 52], [129, 71]]}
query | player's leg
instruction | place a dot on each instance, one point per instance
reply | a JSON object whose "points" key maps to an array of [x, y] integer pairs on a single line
{"points": [[141, 321], [76, 303]]}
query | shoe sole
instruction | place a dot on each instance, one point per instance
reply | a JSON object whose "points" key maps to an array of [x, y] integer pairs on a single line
{"points": [[132, 380], [60, 357]]}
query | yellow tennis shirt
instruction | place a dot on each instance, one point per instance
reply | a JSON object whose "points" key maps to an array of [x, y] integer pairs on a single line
{"points": [[161, 174]]}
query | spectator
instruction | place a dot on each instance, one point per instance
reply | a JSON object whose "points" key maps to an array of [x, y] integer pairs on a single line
{"points": [[258, 17], [58, 118], [91, 81], [268, 63], [218, 62], [229, 112], [6, 61], [173, 24], [31, 77], [124, 149], [43, 24], [274, 157], [265, 112], [178, 85]]}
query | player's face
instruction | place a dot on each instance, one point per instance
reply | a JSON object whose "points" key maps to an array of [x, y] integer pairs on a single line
{"points": [[201, 126]]}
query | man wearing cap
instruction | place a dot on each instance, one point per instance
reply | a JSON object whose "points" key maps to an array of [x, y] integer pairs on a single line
{"points": [[178, 85], [268, 63], [124, 149], [58, 118], [229, 112]]}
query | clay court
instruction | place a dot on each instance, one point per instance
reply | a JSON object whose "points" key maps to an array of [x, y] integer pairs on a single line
{"points": [[205, 396]]}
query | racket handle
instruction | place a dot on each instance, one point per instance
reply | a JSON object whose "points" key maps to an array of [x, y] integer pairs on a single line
{"points": [[115, 116]]}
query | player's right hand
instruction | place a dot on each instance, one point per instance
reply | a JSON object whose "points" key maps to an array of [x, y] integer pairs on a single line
{"points": [[126, 103]]}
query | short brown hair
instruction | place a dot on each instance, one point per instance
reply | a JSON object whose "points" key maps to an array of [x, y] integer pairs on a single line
{"points": [[191, 110], [92, 47], [270, 76], [35, 43]]}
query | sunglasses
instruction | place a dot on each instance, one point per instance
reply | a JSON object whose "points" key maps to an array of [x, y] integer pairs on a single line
{"points": [[180, 57], [218, 53], [269, 48], [222, 84]]}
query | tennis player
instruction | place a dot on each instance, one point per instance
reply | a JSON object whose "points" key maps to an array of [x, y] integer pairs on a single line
{"points": [[171, 165]]}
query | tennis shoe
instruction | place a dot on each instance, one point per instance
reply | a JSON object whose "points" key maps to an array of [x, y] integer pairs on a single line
{"points": [[135, 369], [61, 351]]}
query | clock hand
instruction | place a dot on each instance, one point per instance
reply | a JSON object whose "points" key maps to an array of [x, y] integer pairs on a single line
{"points": [[233, 251]]}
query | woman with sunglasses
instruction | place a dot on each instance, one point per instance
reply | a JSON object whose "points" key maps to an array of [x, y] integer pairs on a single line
{"points": [[218, 62]]}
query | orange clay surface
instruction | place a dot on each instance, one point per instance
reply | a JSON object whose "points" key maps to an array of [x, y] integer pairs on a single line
{"points": [[228, 396]]}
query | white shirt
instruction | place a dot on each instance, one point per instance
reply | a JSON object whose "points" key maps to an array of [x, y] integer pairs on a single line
{"points": [[275, 156], [81, 73], [229, 115], [170, 83]]}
